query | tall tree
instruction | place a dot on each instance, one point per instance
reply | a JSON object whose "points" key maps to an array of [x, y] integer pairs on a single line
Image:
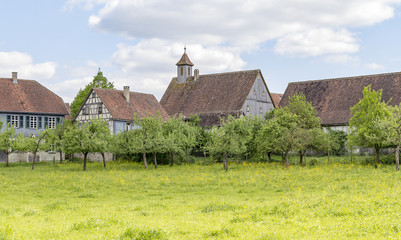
{"points": [[36, 143], [391, 126], [308, 122], [230, 138], [366, 113], [281, 133], [11, 142], [99, 81], [101, 137], [56, 137], [148, 137]]}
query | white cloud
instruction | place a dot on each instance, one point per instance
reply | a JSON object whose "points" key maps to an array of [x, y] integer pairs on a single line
{"points": [[317, 42], [23, 63], [375, 66], [341, 59], [243, 24], [150, 65]]}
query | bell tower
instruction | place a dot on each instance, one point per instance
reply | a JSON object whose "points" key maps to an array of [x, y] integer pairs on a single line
{"points": [[184, 68]]}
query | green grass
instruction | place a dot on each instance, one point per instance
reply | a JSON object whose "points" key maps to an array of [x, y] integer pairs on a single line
{"points": [[251, 201]]}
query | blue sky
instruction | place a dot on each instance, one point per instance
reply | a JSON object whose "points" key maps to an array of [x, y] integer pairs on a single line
{"points": [[62, 44]]}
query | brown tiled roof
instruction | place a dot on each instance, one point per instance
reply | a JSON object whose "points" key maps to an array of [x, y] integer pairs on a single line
{"points": [[184, 61], [211, 93], [140, 104], [333, 98], [276, 98], [29, 96]]}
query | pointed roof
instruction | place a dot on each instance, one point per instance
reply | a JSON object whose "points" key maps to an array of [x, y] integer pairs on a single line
{"points": [[184, 60], [333, 98], [211, 95], [29, 96], [141, 104]]}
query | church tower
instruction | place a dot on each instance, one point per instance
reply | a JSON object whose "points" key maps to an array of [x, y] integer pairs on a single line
{"points": [[184, 68]]}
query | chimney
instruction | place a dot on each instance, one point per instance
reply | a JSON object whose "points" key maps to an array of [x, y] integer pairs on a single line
{"points": [[196, 75], [15, 77], [126, 93]]}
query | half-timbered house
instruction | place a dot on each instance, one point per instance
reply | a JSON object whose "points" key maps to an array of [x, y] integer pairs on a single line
{"points": [[118, 108]]}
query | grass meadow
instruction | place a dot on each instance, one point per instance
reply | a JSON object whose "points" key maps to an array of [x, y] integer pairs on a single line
{"points": [[250, 201]]}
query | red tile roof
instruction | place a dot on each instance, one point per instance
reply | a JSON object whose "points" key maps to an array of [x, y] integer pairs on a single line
{"points": [[333, 98], [211, 93], [140, 103], [276, 98], [29, 96]]}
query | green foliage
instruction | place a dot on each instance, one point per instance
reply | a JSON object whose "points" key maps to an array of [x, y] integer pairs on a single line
{"points": [[99, 81], [230, 139], [10, 141], [365, 114], [338, 201]]}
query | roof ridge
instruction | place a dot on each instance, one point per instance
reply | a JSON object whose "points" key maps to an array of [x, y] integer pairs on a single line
{"points": [[242, 71], [107, 89], [346, 78]]}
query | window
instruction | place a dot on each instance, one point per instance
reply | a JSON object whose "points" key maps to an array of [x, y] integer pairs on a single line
{"points": [[27, 118], [254, 91], [93, 94], [14, 121], [260, 111], [264, 94], [189, 71], [33, 122], [52, 122], [46, 122], [99, 109], [21, 121], [85, 111], [40, 122], [182, 71], [247, 108]]}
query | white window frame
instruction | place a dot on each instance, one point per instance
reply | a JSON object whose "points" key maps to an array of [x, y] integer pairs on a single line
{"points": [[33, 122], [15, 121], [51, 122]]}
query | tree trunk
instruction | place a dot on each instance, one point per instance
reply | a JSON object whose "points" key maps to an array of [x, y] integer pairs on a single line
{"points": [[397, 154], [225, 161], [377, 149], [301, 157], [144, 161], [33, 161], [186, 152], [61, 156], [85, 154], [351, 155], [287, 163], [171, 159], [155, 160], [328, 156], [7, 154], [104, 159], [54, 160], [269, 156]]}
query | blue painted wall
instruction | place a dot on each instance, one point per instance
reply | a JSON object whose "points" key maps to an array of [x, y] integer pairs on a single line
{"points": [[24, 128]]}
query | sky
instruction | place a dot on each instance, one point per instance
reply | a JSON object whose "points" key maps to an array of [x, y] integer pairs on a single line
{"points": [[63, 43]]}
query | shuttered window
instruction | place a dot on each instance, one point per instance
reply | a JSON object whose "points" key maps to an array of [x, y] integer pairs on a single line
{"points": [[21, 121], [46, 122], [27, 121], [39, 122]]}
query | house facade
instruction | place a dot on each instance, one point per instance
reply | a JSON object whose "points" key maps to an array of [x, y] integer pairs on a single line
{"points": [[30, 108], [215, 96], [118, 108], [333, 98]]}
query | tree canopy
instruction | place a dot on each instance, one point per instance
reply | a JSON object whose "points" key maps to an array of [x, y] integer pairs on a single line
{"points": [[99, 81]]}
